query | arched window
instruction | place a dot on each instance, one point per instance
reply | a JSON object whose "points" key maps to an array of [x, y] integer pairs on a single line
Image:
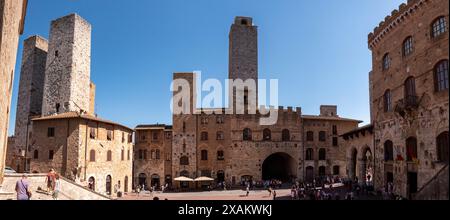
{"points": [[387, 101], [108, 185], [411, 149], [310, 136], [220, 155], [267, 134], [204, 154], [336, 170], [109, 156], [220, 135], [408, 46], [309, 154], [438, 27], [410, 91], [125, 182], [92, 156], [388, 151], [386, 62], [184, 161], [158, 154], [122, 155], [322, 154], [441, 76], [286, 135], [204, 136], [36, 154], [322, 136], [442, 147], [247, 134]]}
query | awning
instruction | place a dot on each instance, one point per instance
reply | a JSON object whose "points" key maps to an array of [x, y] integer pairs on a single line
{"points": [[183, 179], [203, 179]]}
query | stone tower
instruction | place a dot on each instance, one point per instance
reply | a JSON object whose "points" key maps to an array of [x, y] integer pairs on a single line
{"points": [[184, 142], [31, 87], [67, 82], [243, 53]]}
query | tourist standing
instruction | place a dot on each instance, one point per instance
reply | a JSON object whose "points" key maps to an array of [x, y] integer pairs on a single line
{"points": [[248, 190], [274, 195], [23, 189], [50, 180], [57, 188]]}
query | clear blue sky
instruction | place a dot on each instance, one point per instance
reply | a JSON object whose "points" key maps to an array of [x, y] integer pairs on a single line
{"points": [[317, 49]]}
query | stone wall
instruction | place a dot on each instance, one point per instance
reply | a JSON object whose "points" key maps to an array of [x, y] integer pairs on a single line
{"points": [[12, 14]]}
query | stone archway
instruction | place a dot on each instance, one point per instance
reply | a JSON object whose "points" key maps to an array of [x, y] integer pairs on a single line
{"points": [[366, 166], [279, 166]]}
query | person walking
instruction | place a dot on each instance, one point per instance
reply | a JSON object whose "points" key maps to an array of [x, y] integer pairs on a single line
{"points": [[57, 187], [23, 189], [248, 190], [50, 179], [274, 195]]}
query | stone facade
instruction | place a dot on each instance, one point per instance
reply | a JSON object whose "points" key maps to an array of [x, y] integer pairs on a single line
{"points": [[67, 82], [12, 19], [29, 104], [409, 95]]}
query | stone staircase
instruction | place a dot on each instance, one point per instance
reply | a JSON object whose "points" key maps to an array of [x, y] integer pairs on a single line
{"points": [[69, 189], [436, 188]]}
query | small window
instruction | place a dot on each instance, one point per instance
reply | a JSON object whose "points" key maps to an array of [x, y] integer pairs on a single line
{"points": [[109, 156], [123, 137], [336, 170], [322, 136], [442, 147], [130, 138], [219, 119], [410, 91], [267, 134], [204, 136], [244, 22], [309, 154], [109, 135], [335, 131], [247, 134], [335, 142], [204, 155], [220, 135], [387, 99], [408, 46], [441, 76], [51, 132], [204, 121], [145, 154], [411, 149], [439, 27], [122, 155], [50, 154], [285, 135], [322, 154], [155, 135], [140, 154], [92, 156], [184, 161], [310, 136], [36, 154], [92, 133], [388, 151], [128, 155], [158, 154], [220, 155], [386, 62]]}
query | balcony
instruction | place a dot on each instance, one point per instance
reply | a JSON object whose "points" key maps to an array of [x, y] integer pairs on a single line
{"points": [[407, 104]]}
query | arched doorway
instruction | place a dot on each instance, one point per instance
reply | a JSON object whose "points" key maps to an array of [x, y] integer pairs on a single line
{"points": [[220, 176], [155, 180], [91, 183], [366, 166], [279, 166], [309, 174], [142, 180], [168, 180], [125, 184], [108, 184], [352, 165]]}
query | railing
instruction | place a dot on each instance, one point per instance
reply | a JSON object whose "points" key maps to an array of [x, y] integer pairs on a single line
{"points": [[431, 181]]}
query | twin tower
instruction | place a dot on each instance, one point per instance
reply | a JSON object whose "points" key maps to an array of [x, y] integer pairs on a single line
{"points": [[55, 74]]}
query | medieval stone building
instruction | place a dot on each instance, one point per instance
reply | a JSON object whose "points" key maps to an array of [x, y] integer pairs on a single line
{"points": [[12, 19]]}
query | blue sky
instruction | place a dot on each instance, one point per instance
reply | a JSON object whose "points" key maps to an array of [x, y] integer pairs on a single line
{"points": [[316, 48]]}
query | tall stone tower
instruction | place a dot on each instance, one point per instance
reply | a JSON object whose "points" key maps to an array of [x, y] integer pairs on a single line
{"points": [[243, 54], [67, 82], [31, 88]]}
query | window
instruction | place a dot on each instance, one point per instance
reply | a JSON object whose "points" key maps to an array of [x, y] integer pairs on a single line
{"points": [[184, 161], [334, 128], [109, 135], [310, 136], [122, 154], [158, 154], [247, 134], [438, 27], [204, 136], [388, 151], [335, 142], [204, 155], [184, 146], [386, 62], [322, 136], [51, 132], [387, 101], [92, 133], [441, 76], [322, 154], [309, 154], [145, 154], [141, 154], [285, 135], [204, 120], [220, 155], [442, 147], [128, 155], [322, 171], [219, 119], [336, 170], [408, 46], [109, 156], [155, 135], [411, 149], [184, 126], [92, 156], [220, 135], [130, 138], [50, 154], [168, 135], [267, 134], [123, 137], [36, 154], [410, 91]]}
